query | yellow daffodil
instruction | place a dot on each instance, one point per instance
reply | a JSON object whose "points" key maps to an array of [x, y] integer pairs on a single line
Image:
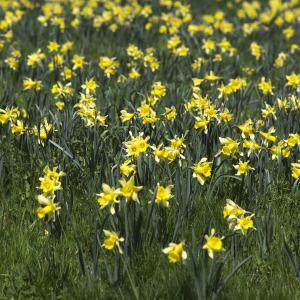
{"points": [[213, 244], [175, 252], [109, 197], [128, 190], [202, 170], [112, 240], [163, 195]]}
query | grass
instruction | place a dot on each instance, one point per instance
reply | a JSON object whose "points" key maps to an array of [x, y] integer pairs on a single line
{"points": [[39, 266]]}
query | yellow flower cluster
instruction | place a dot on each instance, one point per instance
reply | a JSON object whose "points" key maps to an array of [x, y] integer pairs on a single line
{"points": [[86, 107], [237, 217], [50, 184]]}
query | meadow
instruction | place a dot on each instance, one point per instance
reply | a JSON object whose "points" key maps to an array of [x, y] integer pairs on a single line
{"points": [[149, 149]]}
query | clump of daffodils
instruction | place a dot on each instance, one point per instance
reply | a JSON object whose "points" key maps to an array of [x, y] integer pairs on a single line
{"points": [[136, 145], [86, 107], [238, 218], [174, 150], [50, 183]]}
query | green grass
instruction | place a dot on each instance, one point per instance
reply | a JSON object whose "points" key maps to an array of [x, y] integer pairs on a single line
{"points": [[39, 266]]}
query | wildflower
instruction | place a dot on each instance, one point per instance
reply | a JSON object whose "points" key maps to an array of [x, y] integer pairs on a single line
{"points": [[244, 224], [60, 105], [112, 241], [126, 116], [36, 58], [150, 61], [251, 145], [49, 185], [237, 84], [211, 76], [100, 120], [53, 46], [202, 170], [43, 131], [281, 149], [18, 127], [201, 122], [242, 168], [181, 51], [67, 73], [173, 42], [197, 63], [247, 129], [127, 167], [256, 50], [87, 109], [134, 74], [295, 170], [60, 90], [175, 252], [109, 197], [293, 140], [48, 207], [67, 46], [163, 195], [230, 146], [208, 46], [288, 32], [145, 110], [232, 210], [53, 174], [158, 90], [136, 145], [268, 111], [293, 80], [170, 113], [226, 116], [269, 135], [108, 65], [280, 60], [89, 86], [177, 142], [224, 91], [213, 244], [78, 62], [128, 190], [210, 112], [159, 152], [12, 62], [134, 52], [265, 86], [30, 84]]}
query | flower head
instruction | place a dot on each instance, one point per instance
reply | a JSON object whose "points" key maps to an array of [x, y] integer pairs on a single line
{"points": [[175, 252], [242, 168], [163, 195], [244, 224], [112, 241], [129, 190], [213, 243], [202, 170], [109, 197]]}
